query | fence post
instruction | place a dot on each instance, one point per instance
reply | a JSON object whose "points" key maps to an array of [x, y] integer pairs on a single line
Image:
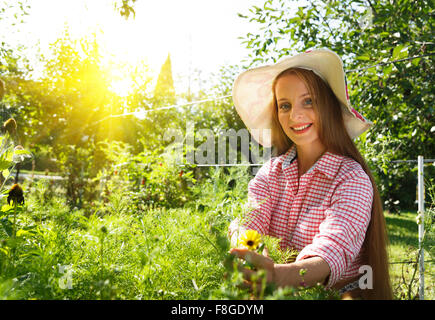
{"points": [[421, 224]]}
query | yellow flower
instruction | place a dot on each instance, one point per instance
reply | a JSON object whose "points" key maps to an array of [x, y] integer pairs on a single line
{"points": [[250, 239]]}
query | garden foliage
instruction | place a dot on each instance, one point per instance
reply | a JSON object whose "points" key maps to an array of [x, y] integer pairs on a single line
{"points": [[128, 219]]}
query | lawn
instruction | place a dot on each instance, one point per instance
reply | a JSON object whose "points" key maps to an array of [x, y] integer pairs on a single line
{"points": [[403, 237]]}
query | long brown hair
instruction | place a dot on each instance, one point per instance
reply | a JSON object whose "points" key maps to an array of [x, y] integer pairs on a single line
{"points": [[334, 136]]}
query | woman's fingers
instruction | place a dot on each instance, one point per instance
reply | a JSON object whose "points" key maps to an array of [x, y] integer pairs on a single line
{"points": [[256, 259], [247, 273], [266, 253], [250, 280]]}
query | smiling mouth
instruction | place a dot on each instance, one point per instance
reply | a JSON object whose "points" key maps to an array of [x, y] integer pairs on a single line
{"points": [[301, 128]]}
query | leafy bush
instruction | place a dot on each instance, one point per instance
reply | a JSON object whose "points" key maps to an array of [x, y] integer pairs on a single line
{"points": [[153, 178]]}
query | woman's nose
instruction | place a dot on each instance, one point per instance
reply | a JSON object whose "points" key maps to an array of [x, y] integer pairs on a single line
{"points": [[296, 113]]}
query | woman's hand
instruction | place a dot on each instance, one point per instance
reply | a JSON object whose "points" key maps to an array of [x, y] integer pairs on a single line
{"points": [[260, 262], [316, 270]]}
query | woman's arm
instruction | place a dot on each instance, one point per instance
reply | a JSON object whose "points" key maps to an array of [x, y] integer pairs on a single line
{"points": [[316, 271], [342, 232], [285, 275]]}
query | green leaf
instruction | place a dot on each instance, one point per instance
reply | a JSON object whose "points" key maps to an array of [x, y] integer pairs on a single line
{"points": [[22, 232], [371, 70], [20, 155], [22, 152], [5, 173], [295, 20], [5, 250], [363, 57], [416, 61], [400, 52], [6, 208], [4, 164], [387, 70], [7, 226], [9, 155]]}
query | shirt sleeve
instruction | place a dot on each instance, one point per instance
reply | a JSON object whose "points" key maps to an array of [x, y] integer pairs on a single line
{"points": [[342, 233], [259, 204]]}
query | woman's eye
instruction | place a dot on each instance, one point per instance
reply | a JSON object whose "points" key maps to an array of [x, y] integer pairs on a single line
{"points": [[285, 106], [308, 101]]}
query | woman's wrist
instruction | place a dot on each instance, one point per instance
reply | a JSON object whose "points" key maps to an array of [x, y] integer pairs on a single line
{"points": [[315, 270], [284, 275]]}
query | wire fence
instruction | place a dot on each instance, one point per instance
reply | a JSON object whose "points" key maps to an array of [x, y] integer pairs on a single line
{"points": [[143, 112], [411, 161], [228, 96], [410, 262]]}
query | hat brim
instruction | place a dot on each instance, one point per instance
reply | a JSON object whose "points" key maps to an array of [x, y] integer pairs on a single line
{"points": [[253, 96]]}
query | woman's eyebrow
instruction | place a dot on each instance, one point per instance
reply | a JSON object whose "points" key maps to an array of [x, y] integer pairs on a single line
{"points": [[303, 95]]}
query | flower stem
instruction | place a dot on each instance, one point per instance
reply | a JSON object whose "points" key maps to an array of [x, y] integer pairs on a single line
{"points": [[14, 233], [15, 219]]}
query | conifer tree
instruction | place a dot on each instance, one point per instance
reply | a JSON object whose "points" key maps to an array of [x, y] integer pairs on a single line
{"points": [[164, 93]]}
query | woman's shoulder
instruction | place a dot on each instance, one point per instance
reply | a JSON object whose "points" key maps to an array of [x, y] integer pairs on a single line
{"points": [[352, 182], [351, 169]]}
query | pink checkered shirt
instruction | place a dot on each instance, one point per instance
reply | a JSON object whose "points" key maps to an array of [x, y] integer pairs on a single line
{"points": [[326, 215]]}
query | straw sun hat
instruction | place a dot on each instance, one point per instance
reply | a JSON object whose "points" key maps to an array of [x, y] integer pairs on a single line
{"points": [[253, 96]]}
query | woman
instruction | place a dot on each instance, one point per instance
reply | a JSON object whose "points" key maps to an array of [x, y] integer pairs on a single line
{"points": [[317, 194]]}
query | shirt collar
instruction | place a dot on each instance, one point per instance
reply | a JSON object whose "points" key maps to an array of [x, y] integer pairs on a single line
{"points": [[328, 164], [289, 157]]}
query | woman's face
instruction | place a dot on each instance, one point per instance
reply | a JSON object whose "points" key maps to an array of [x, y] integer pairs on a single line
{"points": [[295, 111]]}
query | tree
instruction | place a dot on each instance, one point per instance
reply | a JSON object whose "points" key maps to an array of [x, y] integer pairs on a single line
{"points": [[164, 91], [370, 36], [11, 15]]}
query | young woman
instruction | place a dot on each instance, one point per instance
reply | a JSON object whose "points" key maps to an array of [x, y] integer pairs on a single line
{"points": [[317, 193]]}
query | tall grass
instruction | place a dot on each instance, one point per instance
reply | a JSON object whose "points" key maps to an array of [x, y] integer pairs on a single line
{"points": [[123, 250], [153, 253]]}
